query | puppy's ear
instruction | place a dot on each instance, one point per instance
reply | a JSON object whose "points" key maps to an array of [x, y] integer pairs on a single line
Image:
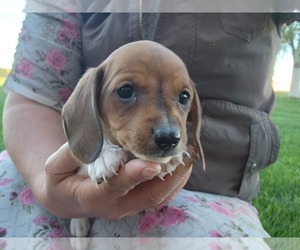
{"points": [[195, 116], [81, 118]]}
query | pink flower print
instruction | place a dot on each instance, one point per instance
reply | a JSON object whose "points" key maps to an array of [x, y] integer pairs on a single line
{"points": [[161, 210], [57, 244], [13, 196], [61, 36], [191, 199], [221, 209], [3, 155], [3, 232], [26, 197], [143, 241], [245, 210], [172, 217], [40, 220], [2, 243], [56, 59], [5, 181], [25, 68], [147, 222], [57, 230], [55, 233], [214, 233], [57, 225], [214, 246], [65, 94], [70, 28]]}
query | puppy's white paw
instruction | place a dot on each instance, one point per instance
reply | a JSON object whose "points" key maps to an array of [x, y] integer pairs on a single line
{"points": [[79, 227], [79, 243], [170, 167], [107, 164]]}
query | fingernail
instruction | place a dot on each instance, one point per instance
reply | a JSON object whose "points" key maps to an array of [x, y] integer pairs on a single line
{"points": [[150, 173]]}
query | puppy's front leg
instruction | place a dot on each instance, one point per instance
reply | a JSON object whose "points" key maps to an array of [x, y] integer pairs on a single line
{"points": [[79, 227], [107, 164], [104, 167]]}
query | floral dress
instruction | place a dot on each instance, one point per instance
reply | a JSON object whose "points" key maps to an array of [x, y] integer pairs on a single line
{"points": [[51, 44], [48, 60], [190, 214]]}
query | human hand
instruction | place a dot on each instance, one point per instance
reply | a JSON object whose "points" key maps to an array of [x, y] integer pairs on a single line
{"points": [[134, 189]]}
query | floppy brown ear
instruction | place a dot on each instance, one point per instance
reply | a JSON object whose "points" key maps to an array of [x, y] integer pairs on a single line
{"points": [[81, 119], [195, 116]]}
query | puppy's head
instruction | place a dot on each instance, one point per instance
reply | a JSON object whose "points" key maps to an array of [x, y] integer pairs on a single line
{"points": [[139, 99]]}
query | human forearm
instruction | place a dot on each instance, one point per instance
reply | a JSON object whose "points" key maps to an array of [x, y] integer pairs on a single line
{"points": [[32, 132]]}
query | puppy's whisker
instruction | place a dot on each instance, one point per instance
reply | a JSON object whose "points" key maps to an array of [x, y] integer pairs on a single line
{"points": [[187, 154], [192, 151], [128, 149]]}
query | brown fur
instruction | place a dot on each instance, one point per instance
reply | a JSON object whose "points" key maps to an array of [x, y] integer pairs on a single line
{"points": [[95, 111]]}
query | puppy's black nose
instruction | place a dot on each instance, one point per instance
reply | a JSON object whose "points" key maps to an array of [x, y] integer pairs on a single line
{"points": [[166, 138]]}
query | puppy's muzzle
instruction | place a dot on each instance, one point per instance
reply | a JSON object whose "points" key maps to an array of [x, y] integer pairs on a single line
{"points": [[166, 138]]}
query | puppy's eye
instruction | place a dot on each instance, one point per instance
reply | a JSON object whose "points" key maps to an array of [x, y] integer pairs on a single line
{"points": [[184, 97], [126, 91]]}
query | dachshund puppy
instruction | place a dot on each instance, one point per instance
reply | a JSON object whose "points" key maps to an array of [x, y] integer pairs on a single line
{"points": [[135, 104]]}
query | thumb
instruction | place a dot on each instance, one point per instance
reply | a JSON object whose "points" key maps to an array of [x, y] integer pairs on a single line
{"points": [[61, 163]]}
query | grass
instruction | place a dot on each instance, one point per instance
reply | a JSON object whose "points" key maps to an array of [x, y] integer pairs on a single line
{"points": [[278, 202]]}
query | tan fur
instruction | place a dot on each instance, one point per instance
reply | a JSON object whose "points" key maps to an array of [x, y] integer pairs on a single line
{"points": [[95, 111]]}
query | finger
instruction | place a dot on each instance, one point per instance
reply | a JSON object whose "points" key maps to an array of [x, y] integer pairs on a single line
{"points": [[172, 184], [129, 176], [188, 162], [156, 192], [61, 164], [181, 184]]}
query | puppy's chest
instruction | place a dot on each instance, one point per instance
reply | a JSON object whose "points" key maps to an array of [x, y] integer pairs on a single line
{"points": [[112, 157]]}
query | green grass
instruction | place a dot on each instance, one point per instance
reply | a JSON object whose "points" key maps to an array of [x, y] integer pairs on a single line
{"points": [[278, 201]]}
